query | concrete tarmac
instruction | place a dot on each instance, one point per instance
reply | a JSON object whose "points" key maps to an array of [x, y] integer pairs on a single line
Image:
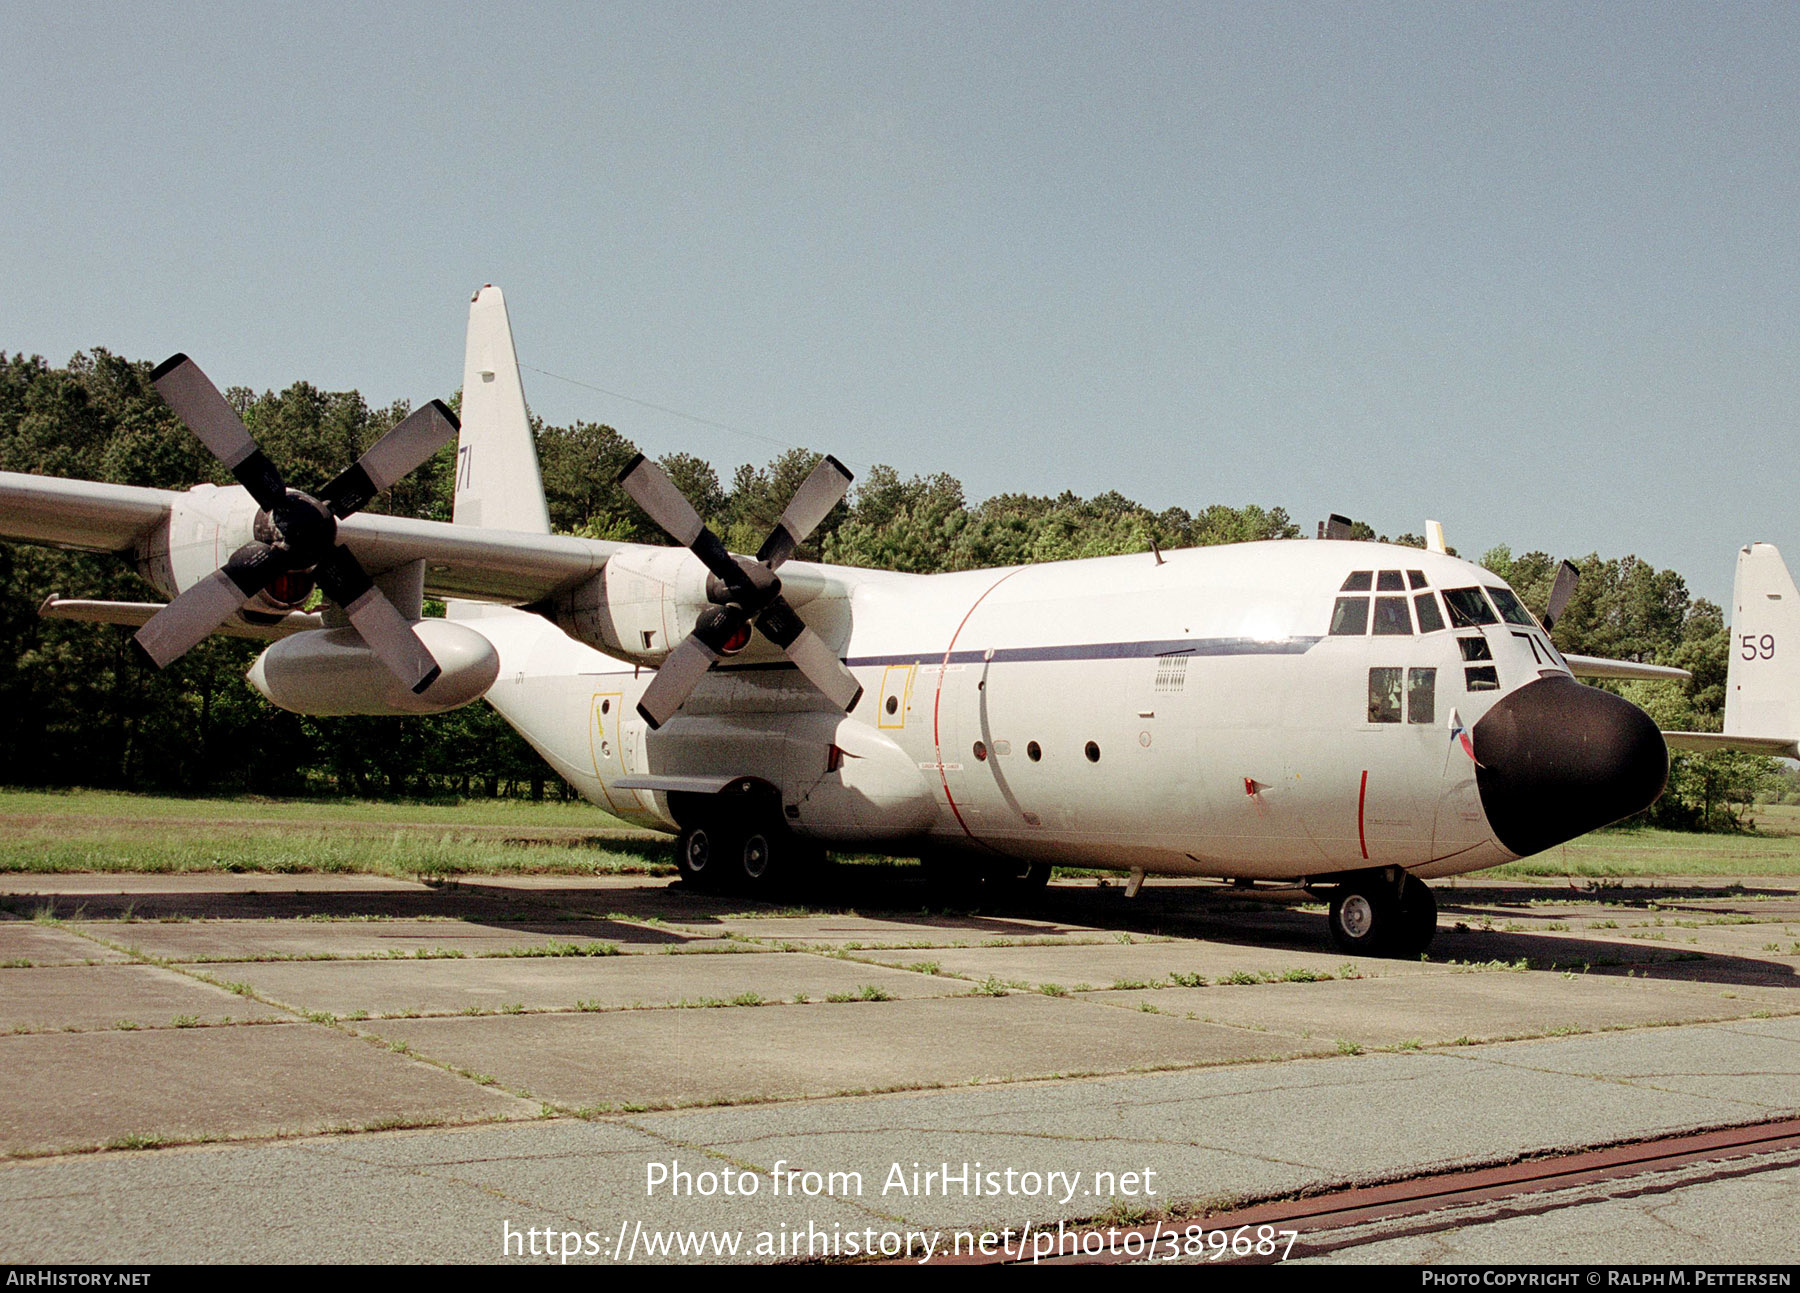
{"points": [[331, 1068]]}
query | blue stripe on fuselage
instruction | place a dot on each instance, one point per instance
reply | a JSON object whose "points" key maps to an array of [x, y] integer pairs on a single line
{"points": [[1172, 648]]}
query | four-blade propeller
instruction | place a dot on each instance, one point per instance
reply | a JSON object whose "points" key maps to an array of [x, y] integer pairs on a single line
{"points": [[295, 533], [745, 592]]}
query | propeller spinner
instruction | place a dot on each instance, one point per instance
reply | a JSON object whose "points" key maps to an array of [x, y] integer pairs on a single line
{"points": [[746, 592], [296, 533]]}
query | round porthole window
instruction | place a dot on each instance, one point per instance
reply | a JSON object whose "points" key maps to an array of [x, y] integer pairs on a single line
{"points": [[1093, 752], [893, 704], [606, 707], [980, 752], [1034, 751]]}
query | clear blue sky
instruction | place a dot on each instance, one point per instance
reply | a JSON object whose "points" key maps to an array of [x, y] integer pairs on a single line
{"points": [[1529, 269]]}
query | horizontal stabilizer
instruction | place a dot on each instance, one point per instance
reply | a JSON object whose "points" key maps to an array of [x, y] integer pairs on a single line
{"points": [[1780, 747], [1589, 666]]}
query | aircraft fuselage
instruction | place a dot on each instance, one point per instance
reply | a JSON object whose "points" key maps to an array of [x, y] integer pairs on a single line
{"points": [[1277, 711]]}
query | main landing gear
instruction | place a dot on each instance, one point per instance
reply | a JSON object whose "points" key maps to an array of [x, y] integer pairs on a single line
{"points": [[737, 842], [1373, 915]]}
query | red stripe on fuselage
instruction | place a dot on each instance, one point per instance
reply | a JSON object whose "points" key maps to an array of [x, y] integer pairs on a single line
{"points": [[1362, 797]]}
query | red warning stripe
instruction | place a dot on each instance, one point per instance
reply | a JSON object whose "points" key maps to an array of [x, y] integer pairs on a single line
{"points": [[1362, 797]]}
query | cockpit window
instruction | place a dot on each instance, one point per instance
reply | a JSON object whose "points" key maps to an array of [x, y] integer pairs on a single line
{"points": [[1391, 617], [1358, 582], [1429, 619], [1512, 610], [1468, 608], [1389, 581], [1417, 578], [1350, 617]]}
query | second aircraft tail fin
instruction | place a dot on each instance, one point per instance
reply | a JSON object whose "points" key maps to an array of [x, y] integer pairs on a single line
{"points": [[497, 480], [1762, 692]]}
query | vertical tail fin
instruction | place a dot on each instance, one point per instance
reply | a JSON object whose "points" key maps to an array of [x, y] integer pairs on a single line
{"points": [[1762, 690], [497, 480]]}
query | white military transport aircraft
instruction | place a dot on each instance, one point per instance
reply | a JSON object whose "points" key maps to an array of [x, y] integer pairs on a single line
{"points": [[1354, 718]]}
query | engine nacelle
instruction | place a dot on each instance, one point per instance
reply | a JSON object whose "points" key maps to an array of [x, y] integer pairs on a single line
{"points": [[204, 527], [645, 601], [638, 607], [328, 672]]}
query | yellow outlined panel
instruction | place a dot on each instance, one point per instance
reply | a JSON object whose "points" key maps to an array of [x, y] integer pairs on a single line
{"points": [[603, 740], [896, 686]]}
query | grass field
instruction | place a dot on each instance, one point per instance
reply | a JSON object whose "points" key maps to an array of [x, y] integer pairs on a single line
{"points": [[90, 830]]}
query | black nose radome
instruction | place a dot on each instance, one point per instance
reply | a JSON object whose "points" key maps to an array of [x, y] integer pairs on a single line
{"points": [[1555, 759]]}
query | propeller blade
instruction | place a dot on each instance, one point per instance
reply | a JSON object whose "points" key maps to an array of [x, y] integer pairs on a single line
{"points": [[389, 634], [197, 403], [676, 678], [1567, 577], [823, 490], [810, 654], [402, 449], [651, 489], [172, 631]]}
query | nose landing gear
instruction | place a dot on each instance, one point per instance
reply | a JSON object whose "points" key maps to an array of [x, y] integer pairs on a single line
{"points": [[1371, 915]]}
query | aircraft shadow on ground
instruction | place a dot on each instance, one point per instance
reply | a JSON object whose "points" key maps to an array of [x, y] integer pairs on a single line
{"points": [[632, 913]]}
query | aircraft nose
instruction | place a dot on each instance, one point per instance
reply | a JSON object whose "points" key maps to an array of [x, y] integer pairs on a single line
{"points": [[1555, 759]]}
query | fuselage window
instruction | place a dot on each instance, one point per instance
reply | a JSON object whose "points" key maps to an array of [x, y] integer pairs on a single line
{"points": [[1417, 579], [1475, 648], [1389, 581], [1512, 610], [1482, 677], [1430, 621], [1392, 618], [1350, 618], [1384, 695], [1359, 582], [1468, 608], [1421, 695]]}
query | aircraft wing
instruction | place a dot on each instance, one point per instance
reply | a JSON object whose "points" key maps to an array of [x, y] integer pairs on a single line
{"points": [[460, 560], [1590, 666], [80, 514], [1781, 747]]}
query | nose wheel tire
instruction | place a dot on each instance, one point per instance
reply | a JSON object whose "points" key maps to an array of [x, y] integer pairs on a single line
{"points": [[1369, 917]]}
